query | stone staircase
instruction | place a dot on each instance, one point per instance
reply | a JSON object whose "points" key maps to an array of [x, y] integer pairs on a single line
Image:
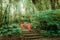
{"points": [[30, 35], [33, 35]]}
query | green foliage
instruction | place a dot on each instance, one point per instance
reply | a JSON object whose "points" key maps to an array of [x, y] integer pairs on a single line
{"points": [[34, 24], [9, 30], [50, 16], [45, 19]]}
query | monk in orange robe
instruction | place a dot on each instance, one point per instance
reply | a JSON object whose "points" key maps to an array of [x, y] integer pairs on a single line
{"points": [[24, 25], [21, 25], [29, 26]]}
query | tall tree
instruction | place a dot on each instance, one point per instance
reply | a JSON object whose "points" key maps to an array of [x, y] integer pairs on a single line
{"points": [[52, 4], [0, 12]]}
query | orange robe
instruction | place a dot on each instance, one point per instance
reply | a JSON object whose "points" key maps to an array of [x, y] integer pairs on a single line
{"points": [[29, 27], [24, 25], [21, 25]]}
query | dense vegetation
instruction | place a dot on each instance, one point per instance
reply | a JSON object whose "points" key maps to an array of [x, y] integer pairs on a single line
{"points": [[48, 20], [41, 13], [7, 30]]}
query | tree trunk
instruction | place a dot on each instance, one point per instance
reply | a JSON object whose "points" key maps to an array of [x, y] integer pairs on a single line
{"points": [[52, 4], [1, 14]]}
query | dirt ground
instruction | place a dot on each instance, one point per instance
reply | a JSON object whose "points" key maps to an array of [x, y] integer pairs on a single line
{"points": [[49, 38], [42, 38]]}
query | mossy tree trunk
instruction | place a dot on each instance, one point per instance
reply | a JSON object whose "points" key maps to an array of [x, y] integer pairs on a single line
{"points": [[0, 12]]}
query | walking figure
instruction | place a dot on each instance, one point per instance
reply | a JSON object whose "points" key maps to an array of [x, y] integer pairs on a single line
{"points": [[29, 26]]}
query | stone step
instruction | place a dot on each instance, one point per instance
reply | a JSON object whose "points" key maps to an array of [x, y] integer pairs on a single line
{"points": [[28, 32], [31, 34], [27, 35], [35, 37], [31, 39]]}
